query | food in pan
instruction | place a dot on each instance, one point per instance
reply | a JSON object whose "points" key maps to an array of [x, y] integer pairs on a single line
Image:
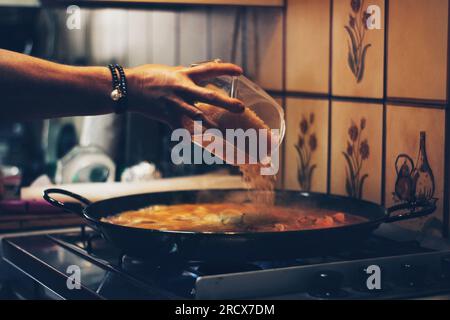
{"points": [[231, 217]]}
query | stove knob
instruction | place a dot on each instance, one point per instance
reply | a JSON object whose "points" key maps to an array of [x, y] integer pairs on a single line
{"points": [[412, 275], [327, 285]]}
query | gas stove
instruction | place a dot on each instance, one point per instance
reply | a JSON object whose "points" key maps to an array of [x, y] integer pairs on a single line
{"points": [[392, 264]]}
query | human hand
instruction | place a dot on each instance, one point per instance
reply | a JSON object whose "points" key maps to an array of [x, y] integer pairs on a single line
{"points": [[166, 93]]}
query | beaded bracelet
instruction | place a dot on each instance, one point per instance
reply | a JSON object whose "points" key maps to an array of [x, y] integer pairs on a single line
{"points": [[119, 88]]}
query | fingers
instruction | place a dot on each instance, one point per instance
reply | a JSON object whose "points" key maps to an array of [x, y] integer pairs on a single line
{"points": [[191, 111], [213, 69], [215, 98]]}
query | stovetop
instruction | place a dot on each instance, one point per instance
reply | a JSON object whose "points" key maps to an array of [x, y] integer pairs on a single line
{"points": [[393, 263]]}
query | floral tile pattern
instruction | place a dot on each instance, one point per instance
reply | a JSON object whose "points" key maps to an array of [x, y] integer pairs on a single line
{"points": [[306, 145], [358, 52], [356, 155], [356, 30], [356, 143], [416, 60]]}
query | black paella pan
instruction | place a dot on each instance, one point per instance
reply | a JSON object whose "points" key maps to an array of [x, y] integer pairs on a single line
{"points": [[235, 246]]}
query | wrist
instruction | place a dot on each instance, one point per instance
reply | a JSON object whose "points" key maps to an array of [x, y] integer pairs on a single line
{"points": [[134, 80], [94, 83]]}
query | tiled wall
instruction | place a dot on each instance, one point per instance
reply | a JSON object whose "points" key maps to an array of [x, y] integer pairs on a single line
{"points": [[367, 113]]}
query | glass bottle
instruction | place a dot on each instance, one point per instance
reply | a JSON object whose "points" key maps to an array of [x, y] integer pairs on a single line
{"points": [[423, 175]]}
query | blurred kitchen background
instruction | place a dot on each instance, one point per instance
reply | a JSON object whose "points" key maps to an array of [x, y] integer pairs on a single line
{"points": [[174, 36], [366, 109]]}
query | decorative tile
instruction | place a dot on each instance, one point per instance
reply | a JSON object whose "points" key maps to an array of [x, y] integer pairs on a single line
{"points": [[264, 58], [417, 49], [415, 160], [308, 44], [306, 145], [358, 52], [356, 150]]}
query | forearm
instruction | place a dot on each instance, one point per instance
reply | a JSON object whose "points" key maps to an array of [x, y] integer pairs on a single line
{"points": [[34, 88]]}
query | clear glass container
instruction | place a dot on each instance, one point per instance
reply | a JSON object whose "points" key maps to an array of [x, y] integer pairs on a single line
{"points": [[260, 103], [254, 98]]}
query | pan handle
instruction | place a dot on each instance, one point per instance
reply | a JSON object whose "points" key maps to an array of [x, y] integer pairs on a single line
{"points": [[414, 210], [72, 207]]}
